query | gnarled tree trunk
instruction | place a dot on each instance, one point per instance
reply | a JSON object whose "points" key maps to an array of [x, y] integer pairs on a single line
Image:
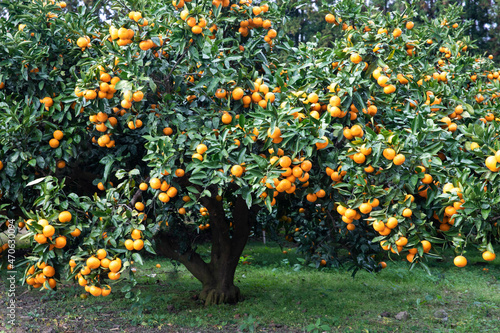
{"points": [[216, 276]]}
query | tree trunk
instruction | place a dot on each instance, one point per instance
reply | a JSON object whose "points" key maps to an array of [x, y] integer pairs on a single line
{"points": [[217, 276]]}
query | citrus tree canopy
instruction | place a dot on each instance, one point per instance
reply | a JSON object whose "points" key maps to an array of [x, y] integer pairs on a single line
{"points": [[173, 120]]}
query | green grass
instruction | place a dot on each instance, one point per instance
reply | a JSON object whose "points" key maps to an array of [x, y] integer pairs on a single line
{"points": [[287, 297]]}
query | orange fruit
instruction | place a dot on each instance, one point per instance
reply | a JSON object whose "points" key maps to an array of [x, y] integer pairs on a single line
{"points": [[407, 212], [129, 244], [115, 266], [49, 271], [138, 244], [237, 93], [236, 170], [49, 231], [60, 242], [389, 153], [392, 223], [101, 254], [93, 263], [155, 183], [399, 159], [402, 241], [201, 148], [136, 234], [64, 217], [460, 261], [487, 255], [426, 246], [54, 143], [365, 208], [172, 192], [58, 135], [139, 206], [227, 118]]}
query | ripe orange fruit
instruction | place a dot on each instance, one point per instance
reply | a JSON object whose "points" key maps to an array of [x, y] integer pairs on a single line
{"points": [[115, 266], [143, 186], [306, 166], [399, 159], [460, 261], [375, 202], [236, 170], [237, 94], [49, 271], [487, 255], [129, 244], [407, 212], [402, 241], [137, 96], [201, 148], [329, 18], [365, 208], [179, 173], [95, 291], [54, 143], [227, 118], [172, 192], [65, 217], [355, 58], [106, 290], [105, 262], [49, 231], [389, 153], [139, 206], [491, 163], [392, 222], [93, 263], [427, 179], [101, 254], [155, 183], [136, 234], [426, 245], [138, 244], [409, 25], [58, 135], [75, 233]]}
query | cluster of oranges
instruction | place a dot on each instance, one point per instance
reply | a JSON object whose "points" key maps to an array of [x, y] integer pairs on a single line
{"points": [[95, 267], [294, 171], [136, 243], [40, 275], [349, 215], [258, 22], [106, 87], [48, 231], [195, 25], [57, 137], [167, 192], [100, 124], [260, 94], [401, 242]]}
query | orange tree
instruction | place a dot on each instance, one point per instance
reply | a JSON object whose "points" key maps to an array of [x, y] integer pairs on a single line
{"points": [[196, 117]]}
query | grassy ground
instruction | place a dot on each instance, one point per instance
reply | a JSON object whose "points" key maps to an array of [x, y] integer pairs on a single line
{"points": [[281, 296]]}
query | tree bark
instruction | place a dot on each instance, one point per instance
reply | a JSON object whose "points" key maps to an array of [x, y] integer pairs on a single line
{"points": [[217, 276]]}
